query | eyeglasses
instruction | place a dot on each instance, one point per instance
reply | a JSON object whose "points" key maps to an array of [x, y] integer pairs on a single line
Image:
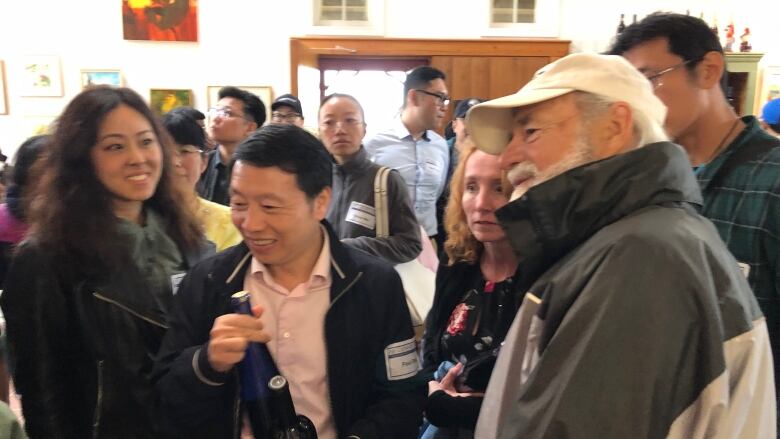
{"points": [[444, 100], [656, 79], [284, 117], [331, 124], [223, 112]]}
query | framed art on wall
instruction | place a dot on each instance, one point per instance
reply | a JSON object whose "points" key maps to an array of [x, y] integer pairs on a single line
{"points": [[3, 96], [265, 93], [160, 20], [165, 100], [101, 77], [41, 76]]}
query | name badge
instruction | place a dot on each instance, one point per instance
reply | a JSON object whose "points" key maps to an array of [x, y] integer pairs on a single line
{"points": [[362, 215], [401, 360], [176, 281]]}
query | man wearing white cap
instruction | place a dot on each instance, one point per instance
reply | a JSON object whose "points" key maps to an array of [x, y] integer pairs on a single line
{"points": [[636, 320]]}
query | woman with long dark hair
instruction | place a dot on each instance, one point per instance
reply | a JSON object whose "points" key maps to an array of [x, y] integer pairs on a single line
{"points": [[88, 290]]}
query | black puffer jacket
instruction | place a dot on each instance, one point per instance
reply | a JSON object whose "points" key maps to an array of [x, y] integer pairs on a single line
{"points": [[82, 350]]}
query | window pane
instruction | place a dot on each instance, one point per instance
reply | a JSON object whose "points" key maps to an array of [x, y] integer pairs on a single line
{"points": [[502, 4], [525, 16], [503, 17], [356, 14], [331, 3], [356, 3], [331, 14]]}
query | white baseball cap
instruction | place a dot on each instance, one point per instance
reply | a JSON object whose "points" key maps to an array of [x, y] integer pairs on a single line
{"points": [[490, 123]]}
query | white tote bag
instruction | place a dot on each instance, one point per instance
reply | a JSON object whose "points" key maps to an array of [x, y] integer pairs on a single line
{"points": [[419, 280]]}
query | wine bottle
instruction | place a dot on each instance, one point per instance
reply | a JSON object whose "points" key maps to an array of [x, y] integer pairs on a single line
{"points": [[634, 20], [622, 25], [288, 424]]}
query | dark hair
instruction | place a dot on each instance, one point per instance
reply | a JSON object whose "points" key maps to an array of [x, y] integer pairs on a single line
{"points": [[420, 77], [291, 149], [689, 37], [253, 105], [184, 129], [72, 212], [775, 127], [26, 156], [345, 96], [189, 112]]}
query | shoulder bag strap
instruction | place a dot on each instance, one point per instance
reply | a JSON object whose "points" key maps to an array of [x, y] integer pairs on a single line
{"points": [[380, 202]]}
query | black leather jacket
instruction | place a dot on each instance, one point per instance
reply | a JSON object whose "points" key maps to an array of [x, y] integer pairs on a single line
{"points": [[82, 351]]}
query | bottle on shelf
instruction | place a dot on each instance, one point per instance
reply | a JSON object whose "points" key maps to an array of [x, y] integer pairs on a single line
{"points": [[634, 20], [622, 25], [266, 405]]}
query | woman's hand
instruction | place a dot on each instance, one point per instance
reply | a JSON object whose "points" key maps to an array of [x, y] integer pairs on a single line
{"points": [[447, 383]]}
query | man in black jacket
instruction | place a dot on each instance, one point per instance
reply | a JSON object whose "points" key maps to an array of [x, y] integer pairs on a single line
{"points": [[334, 319]]}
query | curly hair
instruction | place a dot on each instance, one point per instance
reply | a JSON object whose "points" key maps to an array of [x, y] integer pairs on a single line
{"points": [[71, 213], [461, 245]]}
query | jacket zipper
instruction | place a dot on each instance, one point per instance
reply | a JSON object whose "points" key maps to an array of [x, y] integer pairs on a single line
{"points": [[327, 358], [98, 401], [125, 308]]}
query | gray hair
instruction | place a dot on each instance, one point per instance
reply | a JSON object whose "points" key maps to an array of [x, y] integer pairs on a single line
{"points": [[646, 130]]}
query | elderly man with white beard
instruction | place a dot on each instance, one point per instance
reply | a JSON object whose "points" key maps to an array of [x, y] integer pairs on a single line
{"points": [[636, 320]]}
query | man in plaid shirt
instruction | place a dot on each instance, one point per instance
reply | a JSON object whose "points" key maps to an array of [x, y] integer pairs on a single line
{"points": [[736, 162]]}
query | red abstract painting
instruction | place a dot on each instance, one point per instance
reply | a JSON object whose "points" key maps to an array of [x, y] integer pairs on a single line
{"points": [[160, 20]]}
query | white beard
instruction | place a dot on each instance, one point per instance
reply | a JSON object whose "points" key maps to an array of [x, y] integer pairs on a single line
{"points": [[582, 153]]}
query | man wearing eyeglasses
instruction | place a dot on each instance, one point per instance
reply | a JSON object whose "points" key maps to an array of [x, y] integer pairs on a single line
{"points": [[412, 147], [635, 321], [287, 109], [237, 114], [737, 164]]}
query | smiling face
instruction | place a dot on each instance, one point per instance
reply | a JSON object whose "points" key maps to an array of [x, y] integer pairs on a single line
{"points": [[127, 159], [277, 221], [483, 194]]}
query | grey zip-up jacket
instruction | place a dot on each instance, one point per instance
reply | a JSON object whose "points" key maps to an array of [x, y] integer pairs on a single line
{"points": [[351, 211], [637, 321]]}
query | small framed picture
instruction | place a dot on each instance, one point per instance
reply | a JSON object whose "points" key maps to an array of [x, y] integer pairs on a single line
{"points": [[41, 76], [3, 95], [165, 100], [265, 93], [101, 77]]}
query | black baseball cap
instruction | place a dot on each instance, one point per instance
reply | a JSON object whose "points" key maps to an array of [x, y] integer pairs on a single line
{"points": [[288, 100]]}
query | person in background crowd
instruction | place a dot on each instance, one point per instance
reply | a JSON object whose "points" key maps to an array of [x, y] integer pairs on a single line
{"points": [[412, 147], [636, 320], [287, 109], [190, 140], [737, 164], [13, 213], [476, 299], [351, 211], [334, 318], [88, 291], [237, 114], [770, 117], [200, 118], [456, 145]]}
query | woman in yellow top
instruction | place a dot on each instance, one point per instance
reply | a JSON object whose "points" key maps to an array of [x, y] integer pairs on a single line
{"points": [[190, 140]]}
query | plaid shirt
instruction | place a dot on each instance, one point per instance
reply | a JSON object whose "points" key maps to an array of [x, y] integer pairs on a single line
{"points": [[745, 208]]}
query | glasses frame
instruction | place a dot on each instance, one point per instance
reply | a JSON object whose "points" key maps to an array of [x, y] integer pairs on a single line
{"points": [[220, 112], [444, 100], [652, 78], [289, 117]]}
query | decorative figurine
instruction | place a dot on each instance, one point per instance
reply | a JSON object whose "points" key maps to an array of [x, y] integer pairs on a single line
{"points": [[744, 45], [729, 38]]}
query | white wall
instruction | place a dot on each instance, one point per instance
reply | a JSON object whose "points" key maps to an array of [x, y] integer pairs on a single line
{"points": [[245, 42]]}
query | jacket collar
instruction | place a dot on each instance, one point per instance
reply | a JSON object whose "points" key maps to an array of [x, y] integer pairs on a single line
{"points": [[358, 163], [554, 217], [344, 271]]}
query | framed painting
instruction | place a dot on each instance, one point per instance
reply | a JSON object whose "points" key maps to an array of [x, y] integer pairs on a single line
{"points": [[165, 100], [101, 77], [265, 93], [41, 76], [171, 20], [3, 95]]}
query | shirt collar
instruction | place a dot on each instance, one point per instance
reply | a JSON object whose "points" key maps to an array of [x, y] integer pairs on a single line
{"points": [[402, 132]]}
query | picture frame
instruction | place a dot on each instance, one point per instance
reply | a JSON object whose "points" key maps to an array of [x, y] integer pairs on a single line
{"points": [[160, 21], [163, 100], [264, 92], [101, 77], [41, 76], [3, 93]]}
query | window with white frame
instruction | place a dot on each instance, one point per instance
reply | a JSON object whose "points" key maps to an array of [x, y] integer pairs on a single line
{"points": [[341, 12], [512, 11]]}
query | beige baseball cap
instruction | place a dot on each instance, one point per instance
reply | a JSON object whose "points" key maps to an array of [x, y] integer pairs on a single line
{"points": [[490, 123]]}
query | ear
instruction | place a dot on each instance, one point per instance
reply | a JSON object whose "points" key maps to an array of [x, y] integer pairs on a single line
{"points": [[251, 126], [321, 203], [411, 98], [204, 162], [613, 133], [710, 69]]}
